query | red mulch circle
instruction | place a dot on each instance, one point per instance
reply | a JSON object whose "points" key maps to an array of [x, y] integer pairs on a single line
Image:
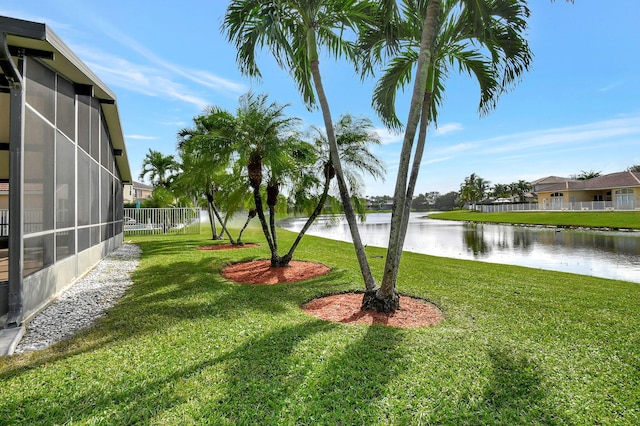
{"points": [[345, 307], [227, 246], [261, 272]]}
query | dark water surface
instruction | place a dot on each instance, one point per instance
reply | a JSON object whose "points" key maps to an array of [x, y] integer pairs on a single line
{"points": [[599, 253]]}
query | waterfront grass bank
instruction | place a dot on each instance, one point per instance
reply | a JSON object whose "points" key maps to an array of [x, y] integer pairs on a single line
{"points": [[185, 346], [608, 219]]}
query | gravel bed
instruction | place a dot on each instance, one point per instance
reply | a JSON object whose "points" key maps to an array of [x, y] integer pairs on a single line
{"points": [[84, 302]]}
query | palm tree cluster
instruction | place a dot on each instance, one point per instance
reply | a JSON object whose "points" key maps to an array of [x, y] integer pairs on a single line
{"points": [[258, 160], [423, 40], [475, 189]]}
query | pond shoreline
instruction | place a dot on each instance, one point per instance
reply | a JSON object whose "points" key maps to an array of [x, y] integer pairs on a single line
{"points": [[603, 252]]}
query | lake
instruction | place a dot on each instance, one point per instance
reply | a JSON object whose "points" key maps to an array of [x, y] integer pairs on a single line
{"points": [[604, 254]]}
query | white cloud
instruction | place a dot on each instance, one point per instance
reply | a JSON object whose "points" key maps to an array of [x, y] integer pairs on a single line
{"points": [[611, 86], [200, 77], [141, 137], [436, 160], [453, 149], [149, 81], [591, 132], [388, 137], [448, 128]]}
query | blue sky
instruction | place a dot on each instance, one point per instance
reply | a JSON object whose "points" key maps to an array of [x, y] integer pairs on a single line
{"points": [[577, 109]]}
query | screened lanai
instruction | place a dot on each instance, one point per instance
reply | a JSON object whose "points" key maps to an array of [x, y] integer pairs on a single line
{"points": [[63, 163]]}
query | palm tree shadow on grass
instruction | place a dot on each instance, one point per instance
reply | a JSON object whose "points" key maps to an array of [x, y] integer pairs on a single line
{"points": [[267, 382], [168, 294], [260, 364], [514, 394]]}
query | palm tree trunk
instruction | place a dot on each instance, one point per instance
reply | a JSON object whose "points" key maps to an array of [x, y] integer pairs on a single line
{"points": [[257, 198], [413, 178], [212, 221], [272, 226], [224, 228], [272, 198], [212, 218], [349, 213], [316, 212], [386, 298], [252, 213]]}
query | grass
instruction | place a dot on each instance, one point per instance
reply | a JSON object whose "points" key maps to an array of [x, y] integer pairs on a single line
{"points": [[185, 346], [590, 219]]}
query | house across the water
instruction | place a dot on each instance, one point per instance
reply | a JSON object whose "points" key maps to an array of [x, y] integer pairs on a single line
{"points": [[615, 191]]}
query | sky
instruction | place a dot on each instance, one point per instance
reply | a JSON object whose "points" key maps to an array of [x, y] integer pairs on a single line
{"points": [[577, 109]]}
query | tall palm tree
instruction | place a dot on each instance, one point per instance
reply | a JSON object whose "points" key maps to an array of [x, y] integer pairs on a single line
{"points": [[294, 31], [159, 167], [483, 38]]}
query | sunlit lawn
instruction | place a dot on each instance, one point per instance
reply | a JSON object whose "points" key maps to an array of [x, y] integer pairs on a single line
{"points": [[185, 346]]}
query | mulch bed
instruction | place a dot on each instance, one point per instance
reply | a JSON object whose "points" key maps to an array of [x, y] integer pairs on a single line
{"points": [[344, 307], [260, 272]]}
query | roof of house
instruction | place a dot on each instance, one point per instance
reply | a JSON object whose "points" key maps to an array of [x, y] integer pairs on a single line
{"points": [[612, 180], [139, 185], [549, 180], [39, 39]]}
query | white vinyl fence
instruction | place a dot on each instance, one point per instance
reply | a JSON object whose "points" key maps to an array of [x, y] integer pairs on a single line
{"points": [[161, 221], [559, 206]]}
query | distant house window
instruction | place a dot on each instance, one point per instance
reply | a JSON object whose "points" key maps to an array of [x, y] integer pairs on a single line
{"points": [[556, 200], [624, 198]]}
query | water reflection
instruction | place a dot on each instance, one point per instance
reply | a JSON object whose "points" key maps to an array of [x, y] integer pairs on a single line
{"points": [[606, 254], [473, 237]]}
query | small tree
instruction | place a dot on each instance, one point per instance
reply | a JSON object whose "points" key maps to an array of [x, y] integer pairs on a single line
{"points": [[520, 189], [447, 201], [160, 168], [353, 136], [501, 190], [585, 175], [205, 150], [474, 189]]}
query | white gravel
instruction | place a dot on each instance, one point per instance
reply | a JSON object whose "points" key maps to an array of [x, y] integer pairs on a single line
{"points": [[84, 302]]}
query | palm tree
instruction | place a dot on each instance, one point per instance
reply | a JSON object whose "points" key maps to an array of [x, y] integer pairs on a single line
{"points": [[294, 31], [482, 38], [473, 189], [268, 144], [159, 167], [354, 136], [586, 175], [205, 150], [519, 189], [501, 190]]}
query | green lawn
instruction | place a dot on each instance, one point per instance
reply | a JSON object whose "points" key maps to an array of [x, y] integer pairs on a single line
{"points": [[185, 346], [590, 219]]}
